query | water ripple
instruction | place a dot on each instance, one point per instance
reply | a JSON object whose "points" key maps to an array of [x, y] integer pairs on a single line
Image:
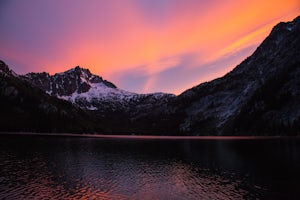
{"points": [[85, 169]]}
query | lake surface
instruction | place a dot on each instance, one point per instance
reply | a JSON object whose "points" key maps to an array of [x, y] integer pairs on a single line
{"points": [[57, 167]]}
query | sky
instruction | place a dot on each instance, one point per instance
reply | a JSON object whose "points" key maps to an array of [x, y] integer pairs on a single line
{"points": [[142, 46]]}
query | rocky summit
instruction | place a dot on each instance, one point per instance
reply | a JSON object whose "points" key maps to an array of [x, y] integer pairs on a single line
{"points": [[76, 80]]}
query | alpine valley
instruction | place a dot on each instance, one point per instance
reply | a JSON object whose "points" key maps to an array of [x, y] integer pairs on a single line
{"points": [[261, 96]]}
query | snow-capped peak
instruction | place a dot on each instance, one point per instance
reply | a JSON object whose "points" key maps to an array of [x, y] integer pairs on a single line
{"points": [[89, 91]]}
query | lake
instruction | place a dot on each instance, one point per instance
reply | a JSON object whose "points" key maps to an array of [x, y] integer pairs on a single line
{"points": [[65, 167]]}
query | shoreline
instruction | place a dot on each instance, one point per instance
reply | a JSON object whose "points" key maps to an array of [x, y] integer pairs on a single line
{"points": [[146, 137]]}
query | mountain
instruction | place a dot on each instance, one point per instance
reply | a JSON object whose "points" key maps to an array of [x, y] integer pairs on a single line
{"points": [[27, 108], [260, 96], [121, 111]]}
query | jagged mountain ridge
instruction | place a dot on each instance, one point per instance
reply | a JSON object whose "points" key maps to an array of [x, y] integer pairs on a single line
{"points": [[66, 83], [89, 91]]}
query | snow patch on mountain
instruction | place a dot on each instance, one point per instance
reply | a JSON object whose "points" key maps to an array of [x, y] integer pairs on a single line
{"points": [[98, 92]]}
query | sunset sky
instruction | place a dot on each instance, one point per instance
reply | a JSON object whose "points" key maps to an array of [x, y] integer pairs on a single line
{"points": [[140, 45]]}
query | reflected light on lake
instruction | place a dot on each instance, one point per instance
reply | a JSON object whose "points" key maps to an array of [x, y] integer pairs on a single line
{"points": [[38, 167]]}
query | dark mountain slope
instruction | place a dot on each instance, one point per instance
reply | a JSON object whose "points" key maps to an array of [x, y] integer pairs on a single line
{"points": [[260, 96]]}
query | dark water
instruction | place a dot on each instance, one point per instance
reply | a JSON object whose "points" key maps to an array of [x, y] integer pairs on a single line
{"points": [[44, 167]]}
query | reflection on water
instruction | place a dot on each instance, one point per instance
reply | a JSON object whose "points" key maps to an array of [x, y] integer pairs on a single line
{"points": [[37, 167]]}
